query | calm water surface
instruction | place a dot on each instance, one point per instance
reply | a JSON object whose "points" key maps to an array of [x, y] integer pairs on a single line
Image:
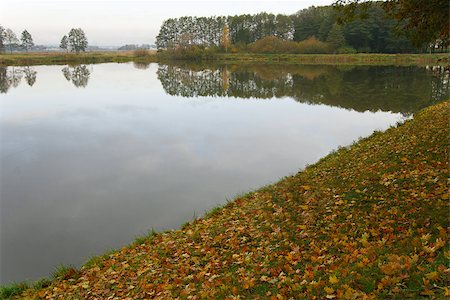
{"points": [[93, 156]]}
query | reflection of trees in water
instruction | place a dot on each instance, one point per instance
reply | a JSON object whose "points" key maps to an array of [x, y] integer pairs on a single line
{"points": [[440, 88], [4, 84], [30, 76], [141, 65], [67, 73], [188, 83], [396, 89], [10, 77], [78, 75]]}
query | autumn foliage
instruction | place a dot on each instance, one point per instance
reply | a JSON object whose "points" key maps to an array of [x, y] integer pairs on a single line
{"points": [[272, 44], [313, 46], [366, 222]]}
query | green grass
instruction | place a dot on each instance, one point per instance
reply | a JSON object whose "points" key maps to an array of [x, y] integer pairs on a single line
{"points": [[8, 292], [65, 272], [145, 238], [16, 288]]}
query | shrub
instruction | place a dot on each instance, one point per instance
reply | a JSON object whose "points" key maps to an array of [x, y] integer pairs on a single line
{"points": [[190, 53], [313, 46], [141, 52], [272, 44], [241, 47], [346, 50]]}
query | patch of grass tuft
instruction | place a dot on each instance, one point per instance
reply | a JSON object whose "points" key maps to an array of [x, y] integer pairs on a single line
{"points": [[14, 289], [145, 238], [65, 272]]}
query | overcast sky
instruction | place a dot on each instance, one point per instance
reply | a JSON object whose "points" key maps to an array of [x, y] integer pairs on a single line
{"points": [[119, 22]]}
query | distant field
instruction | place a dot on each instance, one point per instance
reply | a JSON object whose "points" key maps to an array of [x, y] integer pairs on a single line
{"points": [[41, 58]]}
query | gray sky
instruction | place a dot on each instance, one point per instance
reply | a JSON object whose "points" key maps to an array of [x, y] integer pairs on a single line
{"points": [[119, 22]]}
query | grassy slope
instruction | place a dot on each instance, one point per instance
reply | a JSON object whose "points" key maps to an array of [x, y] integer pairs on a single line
{"points": [[40, 58], [369, 220]]}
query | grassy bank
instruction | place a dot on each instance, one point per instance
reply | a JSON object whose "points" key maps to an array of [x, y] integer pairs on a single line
{"points": [[46, 58], [340, 59], [368, 221], [41, 58]]}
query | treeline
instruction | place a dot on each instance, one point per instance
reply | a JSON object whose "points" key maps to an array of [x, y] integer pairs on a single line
{"points": [[129, 47], [217, 31], [74, 41], [8, 39], [318, 27]]}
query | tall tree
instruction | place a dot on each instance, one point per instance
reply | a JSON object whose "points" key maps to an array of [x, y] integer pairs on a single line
{"points": [[425, 21], [313, 21], [226, 38], [27, 40], [77, 40], [11, 39], [336, 37], [284, 27], [64, 43]]}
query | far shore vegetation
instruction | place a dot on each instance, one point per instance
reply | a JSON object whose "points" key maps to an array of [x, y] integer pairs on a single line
{"points": [[348, 32], [62, 58], [149, 56]]}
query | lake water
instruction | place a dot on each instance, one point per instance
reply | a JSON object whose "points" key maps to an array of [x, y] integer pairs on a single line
{"points": [[93, 156]]}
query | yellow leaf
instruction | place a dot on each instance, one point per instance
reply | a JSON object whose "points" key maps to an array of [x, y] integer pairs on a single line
{"points": [[333, 279], [328, 290], [432, 275]]}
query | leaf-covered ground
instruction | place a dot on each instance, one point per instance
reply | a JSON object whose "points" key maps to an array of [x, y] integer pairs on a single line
{"points": [[369, 221]]}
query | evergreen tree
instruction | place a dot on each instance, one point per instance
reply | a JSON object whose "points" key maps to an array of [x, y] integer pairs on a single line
{"points": [[27, 40], [336, 37]]}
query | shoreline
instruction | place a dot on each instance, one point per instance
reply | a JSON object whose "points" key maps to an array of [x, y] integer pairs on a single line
{"points": [[45, 58], [340, 228]]}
